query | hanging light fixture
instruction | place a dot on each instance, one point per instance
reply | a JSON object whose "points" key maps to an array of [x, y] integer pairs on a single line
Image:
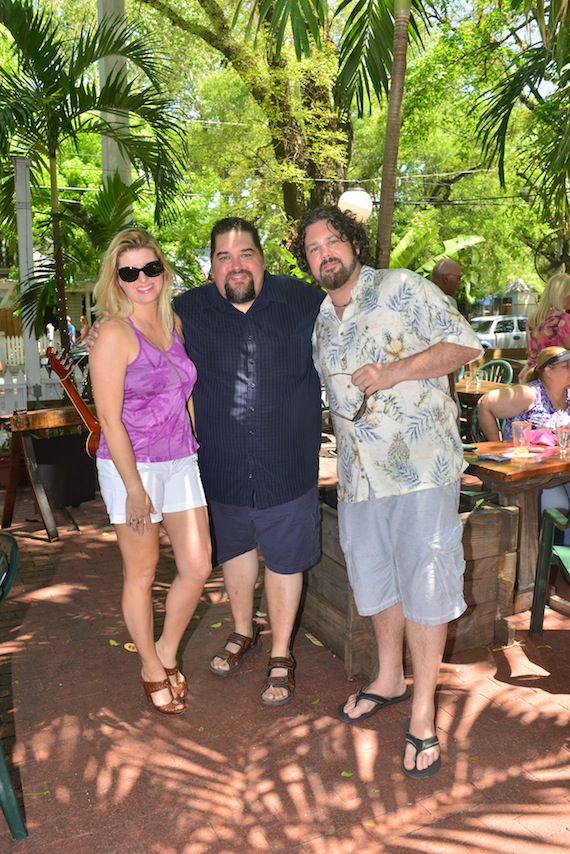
{"points": [[358, 202]]}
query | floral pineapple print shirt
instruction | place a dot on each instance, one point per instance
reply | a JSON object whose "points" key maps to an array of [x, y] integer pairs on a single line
{"points": [[404, 438]]}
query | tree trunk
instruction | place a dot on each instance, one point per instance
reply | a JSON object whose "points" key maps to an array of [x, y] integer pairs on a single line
{"points": [[58, 256], [318, 142], [402, 10]]}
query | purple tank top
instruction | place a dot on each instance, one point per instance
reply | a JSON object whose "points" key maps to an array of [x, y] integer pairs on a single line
{"points": [[157, 387], [540, 412]]}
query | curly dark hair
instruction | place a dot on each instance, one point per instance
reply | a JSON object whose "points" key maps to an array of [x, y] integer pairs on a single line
{"points": [[342, 221]]}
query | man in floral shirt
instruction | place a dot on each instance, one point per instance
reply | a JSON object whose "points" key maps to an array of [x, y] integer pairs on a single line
{"points": [[384, 343]]}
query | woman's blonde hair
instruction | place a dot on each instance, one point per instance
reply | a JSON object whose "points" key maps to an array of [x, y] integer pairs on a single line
{"points": [[108, 293], [555, 292]]}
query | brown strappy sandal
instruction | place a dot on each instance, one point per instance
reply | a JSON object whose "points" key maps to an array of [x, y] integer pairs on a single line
{"points": [[181, 687], [287, 681], [175, 707], [247, 646]]}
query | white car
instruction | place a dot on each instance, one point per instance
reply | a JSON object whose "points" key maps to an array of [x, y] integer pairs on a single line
{"points": [[502, 331]]}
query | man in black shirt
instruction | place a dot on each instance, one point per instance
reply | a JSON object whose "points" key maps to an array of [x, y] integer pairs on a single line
{"points": [[258, 421]]}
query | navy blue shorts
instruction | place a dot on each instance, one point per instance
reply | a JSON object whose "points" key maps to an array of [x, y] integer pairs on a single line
{"points": [[288, 534]]}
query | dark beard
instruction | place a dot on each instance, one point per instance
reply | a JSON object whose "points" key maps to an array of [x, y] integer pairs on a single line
{"points": [[334, 281], [237, 296]]}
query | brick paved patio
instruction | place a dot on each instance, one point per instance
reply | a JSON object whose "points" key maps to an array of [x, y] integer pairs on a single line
{"points": [[97, 771]]}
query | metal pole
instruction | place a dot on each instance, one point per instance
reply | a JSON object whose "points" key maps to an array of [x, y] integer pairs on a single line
{"points": [[26, 266]]}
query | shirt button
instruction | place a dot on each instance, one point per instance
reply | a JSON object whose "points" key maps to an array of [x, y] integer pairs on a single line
{"points": [[252, 385]]}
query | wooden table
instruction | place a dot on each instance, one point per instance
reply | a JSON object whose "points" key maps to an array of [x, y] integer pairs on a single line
{"points": [[476, 390], [22, 423], [519, 483]]}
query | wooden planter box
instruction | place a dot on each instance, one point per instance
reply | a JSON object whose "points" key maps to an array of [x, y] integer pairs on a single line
{"points": [[490, 544]]}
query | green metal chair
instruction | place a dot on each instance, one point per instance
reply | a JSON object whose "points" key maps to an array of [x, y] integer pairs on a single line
{"points": [[8, 800], [549, 555], [475, 428], [497, 370]]}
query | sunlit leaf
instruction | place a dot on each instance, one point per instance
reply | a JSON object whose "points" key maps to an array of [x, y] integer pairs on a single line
{"points": [[113, 642], [346, 773], [215, 625], [313, 639]]}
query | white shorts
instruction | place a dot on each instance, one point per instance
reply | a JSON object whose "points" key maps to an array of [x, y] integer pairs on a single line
{"points": [[172, 486]]}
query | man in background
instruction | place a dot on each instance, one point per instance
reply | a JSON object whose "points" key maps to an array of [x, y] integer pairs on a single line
{"points": [[446, 274]]}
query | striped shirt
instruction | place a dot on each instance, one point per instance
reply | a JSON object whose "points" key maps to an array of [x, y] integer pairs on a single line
{"points": [[257, 399]]}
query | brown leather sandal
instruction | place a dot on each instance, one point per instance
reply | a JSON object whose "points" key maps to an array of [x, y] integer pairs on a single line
{"points": [[247, 646], [175, 707], [287, 682], [181, 687]]}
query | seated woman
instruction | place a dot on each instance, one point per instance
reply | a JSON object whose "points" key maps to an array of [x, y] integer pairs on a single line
{"points": [[536, 401]]}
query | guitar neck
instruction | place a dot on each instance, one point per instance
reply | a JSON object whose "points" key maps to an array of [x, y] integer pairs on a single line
{"points": [[86, 415]]}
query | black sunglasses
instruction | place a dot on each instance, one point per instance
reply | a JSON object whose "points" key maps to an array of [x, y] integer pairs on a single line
{"points": [[131, 274]]}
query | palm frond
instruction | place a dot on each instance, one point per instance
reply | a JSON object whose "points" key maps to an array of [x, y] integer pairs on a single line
{"points": [[366, 50], [525, 76], [305, 18]]}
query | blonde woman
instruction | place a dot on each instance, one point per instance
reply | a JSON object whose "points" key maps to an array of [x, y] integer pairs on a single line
{"points": [[147, 466], [549, 324]]}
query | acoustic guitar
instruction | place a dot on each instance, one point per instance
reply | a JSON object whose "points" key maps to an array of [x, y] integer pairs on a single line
{"points": [[63, 369]]}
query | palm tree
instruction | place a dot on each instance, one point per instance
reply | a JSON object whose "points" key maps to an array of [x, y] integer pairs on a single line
{"points": [[85, 231], [49, 97], [537, 78], [402, 10]]}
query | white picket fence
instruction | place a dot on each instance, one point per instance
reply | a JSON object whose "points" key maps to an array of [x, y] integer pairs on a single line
{"points": [[12, 352], [15, 394]]}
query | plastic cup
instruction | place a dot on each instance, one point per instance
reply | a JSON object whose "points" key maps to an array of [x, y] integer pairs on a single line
{"points": [[563, 437], [521, 434]]}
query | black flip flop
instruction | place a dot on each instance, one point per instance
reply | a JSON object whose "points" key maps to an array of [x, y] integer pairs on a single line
{"points": [[421, 744], [381, 703]]}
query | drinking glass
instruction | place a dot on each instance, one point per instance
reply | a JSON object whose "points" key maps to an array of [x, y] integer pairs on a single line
{"points": [[521, 434], [563, 436]]}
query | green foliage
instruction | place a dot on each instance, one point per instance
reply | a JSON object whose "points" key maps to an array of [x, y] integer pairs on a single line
{"points": [[50, 98], [254, 125], [537, 76]]}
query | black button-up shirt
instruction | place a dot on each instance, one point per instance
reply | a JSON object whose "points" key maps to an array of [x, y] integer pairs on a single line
{"points": [[257, 400]]}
